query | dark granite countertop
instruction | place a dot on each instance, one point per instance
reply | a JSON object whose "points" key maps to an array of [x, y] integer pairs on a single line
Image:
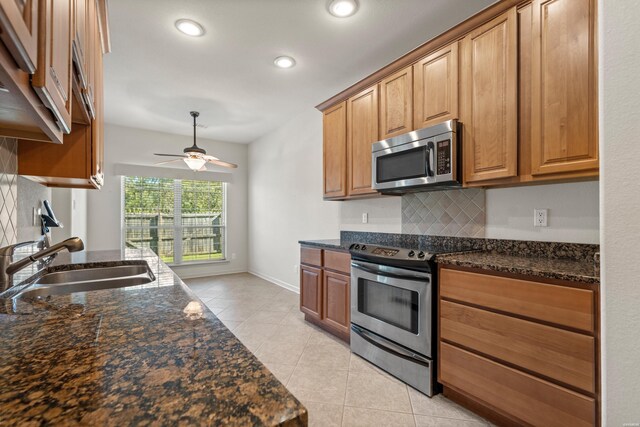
{"points": [[550, 268], [325, 244], [145, 355], [575, 262]]}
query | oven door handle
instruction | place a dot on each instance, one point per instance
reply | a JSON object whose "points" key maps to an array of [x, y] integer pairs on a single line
{"points": [[390, 347], [373, 269]]}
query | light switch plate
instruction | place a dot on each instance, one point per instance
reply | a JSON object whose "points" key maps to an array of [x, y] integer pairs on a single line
{"points": [[540, 217]]}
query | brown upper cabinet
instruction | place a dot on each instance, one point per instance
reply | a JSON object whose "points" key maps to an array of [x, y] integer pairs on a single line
{"points": [[489, 100], [52, 78], [362, 132], [521, 77], [435, 87], [334, 131], [396, 104], [78, 161], [564, 132], [20, 31]]}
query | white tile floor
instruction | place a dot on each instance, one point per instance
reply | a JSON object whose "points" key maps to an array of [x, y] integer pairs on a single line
{"points": [[337, 387]]}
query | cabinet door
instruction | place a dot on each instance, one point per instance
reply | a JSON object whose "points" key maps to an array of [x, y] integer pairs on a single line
{"points": [[564, 98], [335, 295], [489, 102], [81, 41], [311, 291], [334, 134], [435, 87], [362, 132], [52, 80], [97, 124], [19, 31], [396, 104], [94, 48]]}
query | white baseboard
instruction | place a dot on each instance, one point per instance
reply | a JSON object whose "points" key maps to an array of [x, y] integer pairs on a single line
{"points": [[275, 281], [217, 273]]}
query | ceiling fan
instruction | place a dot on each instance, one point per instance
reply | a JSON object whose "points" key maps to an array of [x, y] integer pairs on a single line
{"points": [[195, 157]]}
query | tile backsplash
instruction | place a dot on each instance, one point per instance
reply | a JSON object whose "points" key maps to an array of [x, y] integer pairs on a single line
{"points": [[458, 213], [8, 191]]}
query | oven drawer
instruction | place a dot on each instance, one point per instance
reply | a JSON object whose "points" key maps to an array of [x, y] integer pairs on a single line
{"points": [[561, 305], [562, 355], [532, 400]]}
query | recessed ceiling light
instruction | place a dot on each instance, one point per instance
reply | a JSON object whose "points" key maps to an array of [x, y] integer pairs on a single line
{"points": [[284, 62], [189, 27], [343, 8]]}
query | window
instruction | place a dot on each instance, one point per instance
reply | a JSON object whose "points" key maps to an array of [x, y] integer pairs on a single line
{"points": [[181, 221]]}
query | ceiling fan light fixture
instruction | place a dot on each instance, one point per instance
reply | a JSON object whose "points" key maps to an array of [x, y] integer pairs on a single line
{"points": [[343, 8], [190, 27], [195, 163]]}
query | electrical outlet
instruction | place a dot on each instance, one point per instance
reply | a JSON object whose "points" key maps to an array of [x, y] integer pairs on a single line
{"points": [[296, 268], [365, 217], [540, 217], [233, 256]]}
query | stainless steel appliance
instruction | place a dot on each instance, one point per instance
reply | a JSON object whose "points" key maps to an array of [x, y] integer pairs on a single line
{"points": [[392, 312], [422, 160]]}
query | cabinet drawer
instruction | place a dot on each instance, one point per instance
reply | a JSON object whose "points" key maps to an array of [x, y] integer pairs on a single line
{"points": [[338, 261], [311, 256], [555, 353], [523, 396], [561, 305]]}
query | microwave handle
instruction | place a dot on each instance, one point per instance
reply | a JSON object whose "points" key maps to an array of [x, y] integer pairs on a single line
{"points": [[430, 158]]}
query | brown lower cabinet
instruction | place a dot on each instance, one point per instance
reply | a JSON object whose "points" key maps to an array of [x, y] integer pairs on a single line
{"points": [[517, 350], [325, 289]]}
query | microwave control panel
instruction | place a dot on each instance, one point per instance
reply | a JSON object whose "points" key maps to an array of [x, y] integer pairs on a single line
{"points": [[443, 161]]}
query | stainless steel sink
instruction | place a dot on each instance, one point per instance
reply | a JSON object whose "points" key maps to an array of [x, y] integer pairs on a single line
{"points": [[93, 274], [89, 279]]}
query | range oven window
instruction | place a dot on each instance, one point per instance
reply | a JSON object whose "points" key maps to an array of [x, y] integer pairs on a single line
{"points": [[390, 304], [402, 165]]}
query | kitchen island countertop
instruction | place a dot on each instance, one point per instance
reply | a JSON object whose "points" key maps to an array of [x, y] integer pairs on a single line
{"points": [[144, 355]]}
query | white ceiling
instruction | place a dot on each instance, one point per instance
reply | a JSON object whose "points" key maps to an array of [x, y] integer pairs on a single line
{"points": [[155, 75]]}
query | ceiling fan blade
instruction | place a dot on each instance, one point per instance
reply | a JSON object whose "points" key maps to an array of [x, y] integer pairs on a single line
{"points": [[168, 161], [170, 155], [221, 163]]}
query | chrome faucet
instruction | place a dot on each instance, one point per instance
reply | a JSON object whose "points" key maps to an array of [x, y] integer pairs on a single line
{"points": [[8, 268]]}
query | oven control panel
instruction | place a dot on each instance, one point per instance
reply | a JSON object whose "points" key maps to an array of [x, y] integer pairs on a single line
{"points": [[385, 251], [363, 250]]}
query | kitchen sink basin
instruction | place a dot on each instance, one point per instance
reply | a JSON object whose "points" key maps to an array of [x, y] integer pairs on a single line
{"points": [[89, 279], [94, 274]]}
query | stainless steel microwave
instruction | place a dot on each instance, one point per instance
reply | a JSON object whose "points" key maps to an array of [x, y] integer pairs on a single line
{"points": [[422, 160]]}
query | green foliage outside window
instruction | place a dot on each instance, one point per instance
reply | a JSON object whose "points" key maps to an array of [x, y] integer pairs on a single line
{"points": [[180, 220]]}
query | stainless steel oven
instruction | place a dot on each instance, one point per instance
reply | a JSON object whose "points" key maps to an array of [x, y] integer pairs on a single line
{"points": [[422, 160], [392, 313]]}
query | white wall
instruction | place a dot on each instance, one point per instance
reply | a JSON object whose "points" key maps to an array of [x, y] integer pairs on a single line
{"points": [[619, 206], [384, 215], [573, 212], [136, 146], [70, 207], [285, 198]]}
